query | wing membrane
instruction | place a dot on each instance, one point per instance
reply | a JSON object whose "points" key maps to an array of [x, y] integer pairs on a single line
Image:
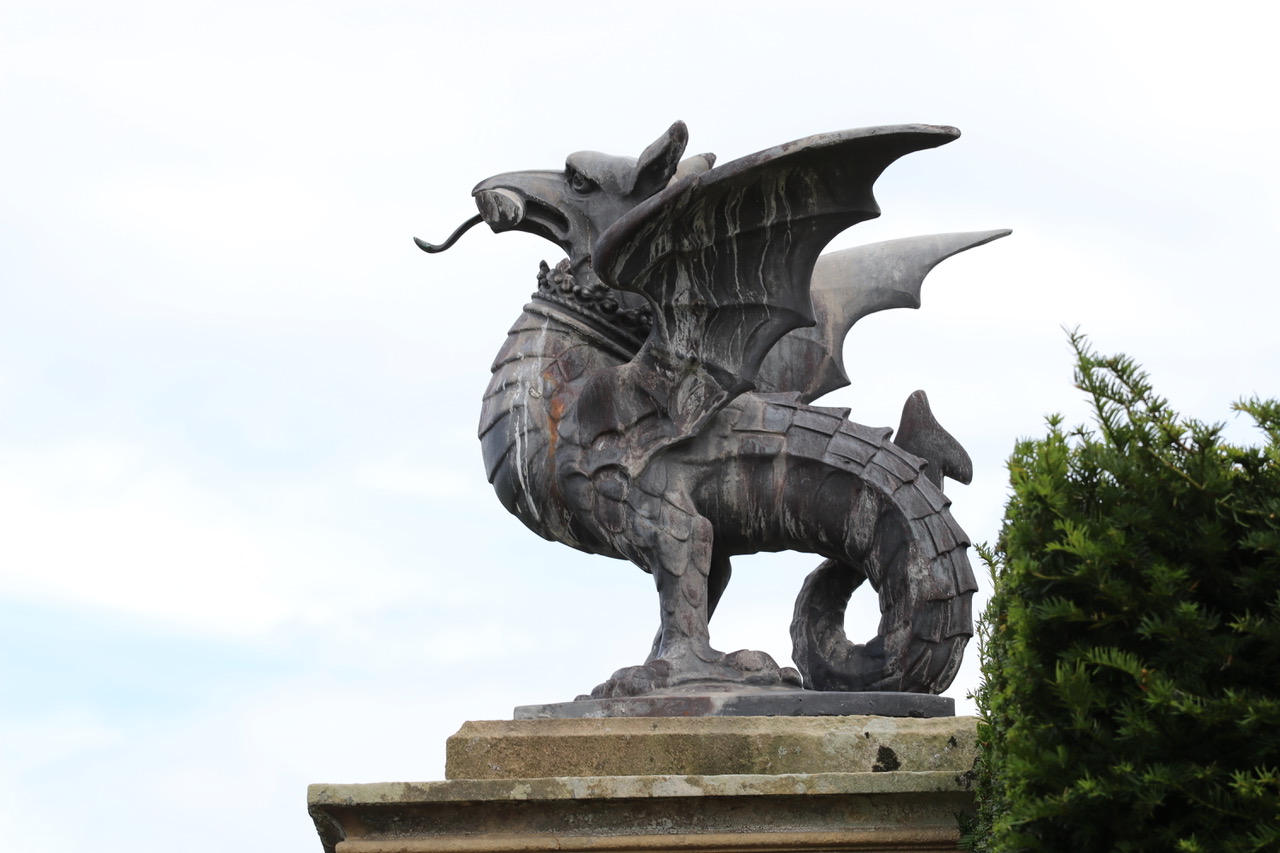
{"points": [[847, 286], [726, 256]]}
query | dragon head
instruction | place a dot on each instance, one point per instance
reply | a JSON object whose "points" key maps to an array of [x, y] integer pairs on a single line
{"points": [[573, 206]]}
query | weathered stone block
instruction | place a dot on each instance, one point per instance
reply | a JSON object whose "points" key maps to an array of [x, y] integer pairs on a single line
{"points": [[631, 746], [765, 784]]}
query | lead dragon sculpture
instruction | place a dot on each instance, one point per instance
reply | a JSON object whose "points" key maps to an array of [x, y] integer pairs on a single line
{"points": [[653, 402]]}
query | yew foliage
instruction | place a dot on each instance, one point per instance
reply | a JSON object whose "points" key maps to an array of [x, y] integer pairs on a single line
{"points": [[1131, 650]]}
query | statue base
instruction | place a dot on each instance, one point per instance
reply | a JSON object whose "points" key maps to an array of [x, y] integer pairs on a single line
{"points": [[737, 701], [724, 784]]}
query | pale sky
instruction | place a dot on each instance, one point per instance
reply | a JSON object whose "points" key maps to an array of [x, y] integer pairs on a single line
{"points": [[245, 538]]}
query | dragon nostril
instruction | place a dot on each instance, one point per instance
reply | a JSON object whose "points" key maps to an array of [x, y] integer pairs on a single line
{"points": [[501, 208]]}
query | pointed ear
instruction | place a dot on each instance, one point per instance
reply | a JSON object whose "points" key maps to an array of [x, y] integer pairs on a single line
{"points": [[659, 161]]}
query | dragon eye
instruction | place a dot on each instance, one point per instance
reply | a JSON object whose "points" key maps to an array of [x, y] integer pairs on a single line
{"points": [[580, 183]]}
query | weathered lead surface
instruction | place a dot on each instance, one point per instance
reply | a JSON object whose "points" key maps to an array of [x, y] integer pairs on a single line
{"points": [[747, 702], [652, 403]]}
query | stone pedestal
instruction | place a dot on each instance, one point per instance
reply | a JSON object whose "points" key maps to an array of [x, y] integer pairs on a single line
{"points": [[646, 784]]}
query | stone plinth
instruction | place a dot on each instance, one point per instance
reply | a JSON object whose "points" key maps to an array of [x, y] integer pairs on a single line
{"points": [[645, 784], [707, 746]]}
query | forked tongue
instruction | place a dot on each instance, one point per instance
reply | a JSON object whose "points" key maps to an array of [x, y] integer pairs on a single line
{"points": [[501, 208], [432, 248]]}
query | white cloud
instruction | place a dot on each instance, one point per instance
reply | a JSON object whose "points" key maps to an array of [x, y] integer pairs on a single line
{"points": [[105, 525]]}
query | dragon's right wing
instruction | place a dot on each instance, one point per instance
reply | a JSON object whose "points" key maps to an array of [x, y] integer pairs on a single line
{"points": [[847, 286]]}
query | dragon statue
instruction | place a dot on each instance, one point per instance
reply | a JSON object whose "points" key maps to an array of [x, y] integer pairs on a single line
{"points": [[654, 401]]}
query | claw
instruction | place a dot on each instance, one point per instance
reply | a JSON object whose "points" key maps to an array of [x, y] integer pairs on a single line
{"points": [[633, 681]]}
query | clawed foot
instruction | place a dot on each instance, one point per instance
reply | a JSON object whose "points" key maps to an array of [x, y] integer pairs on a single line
{"points": [[745, 667], [634, 681]]}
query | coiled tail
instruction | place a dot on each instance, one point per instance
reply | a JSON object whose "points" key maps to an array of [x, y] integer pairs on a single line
{"points": [[918, 564], [816, 482]]}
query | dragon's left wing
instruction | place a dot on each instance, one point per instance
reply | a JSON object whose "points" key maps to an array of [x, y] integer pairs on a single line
{"points": [[726, 256], [847, 286]]}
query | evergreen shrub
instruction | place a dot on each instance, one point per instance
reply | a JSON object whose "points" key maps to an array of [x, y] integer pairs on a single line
{"points": [[1131, 651]]}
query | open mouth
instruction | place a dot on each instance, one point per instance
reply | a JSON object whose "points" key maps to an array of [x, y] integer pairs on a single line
{"points": [[505, 210]]}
